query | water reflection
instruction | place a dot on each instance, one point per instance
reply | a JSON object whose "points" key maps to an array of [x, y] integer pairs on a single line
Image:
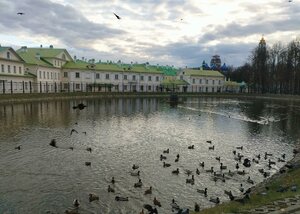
{"points": [[129, 131]]}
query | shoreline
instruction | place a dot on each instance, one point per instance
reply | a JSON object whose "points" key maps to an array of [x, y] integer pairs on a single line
{"points": [[17, 98]]}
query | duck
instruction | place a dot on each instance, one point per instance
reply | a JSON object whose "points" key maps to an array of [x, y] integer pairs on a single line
{"points": [[18, 147], [135, 173], [234, 152], [175, 171], [197, 171], [258, 156], [211, 170], [196, 207], [250, 181], [191, 147], [162, 157], [283, 156], [112, 180], [280, 160], [156, 202], [190, 180], [241, 188], [53, 143], [174, 205], [148, 191], [215, 200], [241, 172], [261, 171], [218, 158], [166, 151], [166, 164], [268, 154], [239, 147], [71, 147], [255, 161], [177, 156], [93, 197], [202, 164], [237, 166], [135, 166], [230, 173], [177, 159], [208, 141], [120, 198], [266, 174], [222, 167], [88, 163], [76, 203], [188, 172], [202, 191], [211, 147], [138, 184], [110, 189], [89, 149], [230, 195], [272, 162]]}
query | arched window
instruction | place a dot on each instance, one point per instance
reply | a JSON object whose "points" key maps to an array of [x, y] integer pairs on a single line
{"points": [[8, 55], [63, 57]]}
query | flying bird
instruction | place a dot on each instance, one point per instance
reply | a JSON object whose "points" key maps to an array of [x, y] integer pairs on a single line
{"points": [[73, 130], [20, 13], [118, 17]]}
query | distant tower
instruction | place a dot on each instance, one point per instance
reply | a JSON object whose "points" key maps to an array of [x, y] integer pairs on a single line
{"points": [[215, 62], [262, 43]]}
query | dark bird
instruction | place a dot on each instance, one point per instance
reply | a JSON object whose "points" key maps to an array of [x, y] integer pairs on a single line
{"points": [[118, 17], [110, 189], [21, 13], [76, 203], [113, 180], [89, 149], [156, 202], [84, 133], [18, 147], [175, 171], [80, 106], [73, 130], [148, 191], [53, 143], [88, 163], [93, 197], [135, 167], [191, 147]]}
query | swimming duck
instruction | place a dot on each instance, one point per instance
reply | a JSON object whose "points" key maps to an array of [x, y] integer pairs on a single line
{"points": [[76, 203], [255, 161], [88, 163], [138, 184], [222, 167], [215, 200], [53, 143], [230, 195], [176, 171], [250, 181], [211, 147], [230, 173], [112, 180], [166, 151], [218, 158], [110, 189], [162, 157], [211, 170], [266, 174], [174, 205], [190, 180], [135, 173], [258, 156], [188, 172], [280, 160], [177, 159], [196, 207], [89, 149], [120, 198], [18, 147], [237, 166], [241, 188], [148, 191], [191, 147], [166, 164], [201, 191], [93, 197], [71, 147], [234, 152], [202, 164], [135, 167], [272, 162], [208, 141], [239, 147], [197, 171], [283, 156], [241, 172], [177, 156], [156, 202]]}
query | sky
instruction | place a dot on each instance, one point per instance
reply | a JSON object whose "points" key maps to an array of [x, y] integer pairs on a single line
{"points": [[165, 32]]}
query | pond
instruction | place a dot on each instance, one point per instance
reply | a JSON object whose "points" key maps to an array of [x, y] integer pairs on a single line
{"points": [[121, 132]]}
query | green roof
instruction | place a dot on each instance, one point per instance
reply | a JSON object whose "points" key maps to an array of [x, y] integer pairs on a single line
{"points": [[209, 73], [138, 68], [29, 56], [231, 83], [167, 82], [3, 48]]}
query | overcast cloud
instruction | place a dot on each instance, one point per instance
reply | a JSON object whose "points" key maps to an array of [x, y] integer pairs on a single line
{"points": [[174, 32]]}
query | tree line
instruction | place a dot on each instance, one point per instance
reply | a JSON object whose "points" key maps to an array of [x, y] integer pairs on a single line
{"points": [[274, 69]]}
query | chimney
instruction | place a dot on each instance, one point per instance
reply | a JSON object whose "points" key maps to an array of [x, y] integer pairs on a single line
{"points": [[38, 56], [51, 46], [24, 49]]}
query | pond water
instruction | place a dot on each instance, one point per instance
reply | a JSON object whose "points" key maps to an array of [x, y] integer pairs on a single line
{"points": [[39, 178]]}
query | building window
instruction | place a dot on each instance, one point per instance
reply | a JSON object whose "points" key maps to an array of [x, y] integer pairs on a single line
{"points": [[142, 78], [15, 69], [116, 76], [51, 75], [8, 68], [77, 75], [213, 82], [58, 76], [20, 70], [149, 87], [44, 75], [47, 75], [55, 76], [206, 89], [213, 89], [26, 85], [125, 78], [40, 74], [116, 88], [142, 88], [8, 55], [149, 78], [193, 81], [133, 77], [157, 78], [2, 68], [107, 76], [97, 76], [66, 85], [206, 81], [219, 82], [77, 86], [200, 81], [65, 74]]}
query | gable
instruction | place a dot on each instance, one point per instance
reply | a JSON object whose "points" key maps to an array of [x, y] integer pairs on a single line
{"points": [[8, 53]]}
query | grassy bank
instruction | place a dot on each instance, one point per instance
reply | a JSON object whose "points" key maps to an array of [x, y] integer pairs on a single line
{"points": [[12, 98]]}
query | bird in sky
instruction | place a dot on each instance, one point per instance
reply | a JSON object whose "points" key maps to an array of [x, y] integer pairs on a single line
{"points": [[290, 0], [73, 130], [20, 13], [118, 17]]}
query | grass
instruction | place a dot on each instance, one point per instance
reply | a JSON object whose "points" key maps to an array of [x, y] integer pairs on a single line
{"points": [[257, 200]]}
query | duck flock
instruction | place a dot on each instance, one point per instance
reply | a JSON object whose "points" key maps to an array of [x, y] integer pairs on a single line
{"points": [[238, 170]]}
